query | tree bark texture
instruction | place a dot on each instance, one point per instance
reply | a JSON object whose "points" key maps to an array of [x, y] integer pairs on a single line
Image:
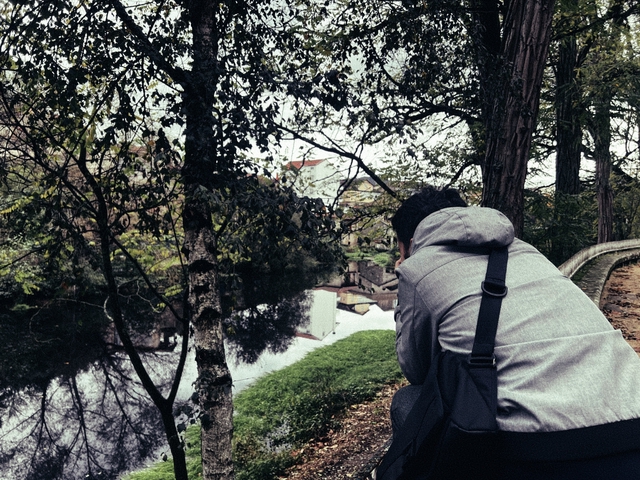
{"points": [[512, 120], [200, 173], [569, 131], [214, 380], [601, 133]]}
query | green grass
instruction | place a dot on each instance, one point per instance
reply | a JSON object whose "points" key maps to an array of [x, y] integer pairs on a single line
{"points": [[357, 255], [286, 408], [384, 259], [164, 470]]}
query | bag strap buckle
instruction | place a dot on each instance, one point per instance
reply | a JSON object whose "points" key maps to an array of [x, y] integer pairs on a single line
{"points": [[480, 360], [494, 289]]}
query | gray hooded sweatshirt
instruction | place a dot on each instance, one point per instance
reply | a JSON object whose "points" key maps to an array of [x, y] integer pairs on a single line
{"points": [[560, 363]]}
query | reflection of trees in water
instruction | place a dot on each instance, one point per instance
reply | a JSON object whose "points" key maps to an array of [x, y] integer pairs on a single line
{"points": [[94, 424], [268, 327], [92, 419], [71, 407]]}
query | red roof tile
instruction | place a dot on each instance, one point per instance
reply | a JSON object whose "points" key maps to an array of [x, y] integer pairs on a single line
{"points": [[297, 164]]}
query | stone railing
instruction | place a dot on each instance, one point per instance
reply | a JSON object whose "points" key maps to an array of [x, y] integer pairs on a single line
{"points": [[572, 265]]}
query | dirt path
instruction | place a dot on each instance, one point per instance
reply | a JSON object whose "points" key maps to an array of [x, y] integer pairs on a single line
{"points": [[621, 302]]}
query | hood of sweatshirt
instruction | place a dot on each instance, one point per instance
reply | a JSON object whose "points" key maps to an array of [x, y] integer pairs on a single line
{"points": [[464, 227]]}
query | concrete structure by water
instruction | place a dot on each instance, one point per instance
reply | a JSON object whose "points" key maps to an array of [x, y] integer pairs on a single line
{"points": [[322, 314]]}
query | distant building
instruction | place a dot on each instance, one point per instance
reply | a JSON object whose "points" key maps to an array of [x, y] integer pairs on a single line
{"points": [[371, 283], [361, 192], [376, 279], [357, 222], [315, 179]]}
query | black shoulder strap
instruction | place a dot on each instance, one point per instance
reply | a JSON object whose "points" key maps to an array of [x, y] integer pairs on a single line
{"points": [[493, 290]]}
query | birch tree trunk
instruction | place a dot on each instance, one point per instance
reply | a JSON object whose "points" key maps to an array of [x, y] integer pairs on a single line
{"points": [[214, 380], [201, 173]]}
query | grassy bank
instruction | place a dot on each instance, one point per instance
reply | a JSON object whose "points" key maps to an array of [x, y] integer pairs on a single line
{"points": [[286, 408]]}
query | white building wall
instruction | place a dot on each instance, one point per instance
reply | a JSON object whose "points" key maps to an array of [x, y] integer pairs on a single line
{"points": [[322, 314], [320, 180]]}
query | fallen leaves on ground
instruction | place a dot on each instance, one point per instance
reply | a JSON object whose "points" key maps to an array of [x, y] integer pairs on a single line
{"points": [[620, 302], [348, 451]]}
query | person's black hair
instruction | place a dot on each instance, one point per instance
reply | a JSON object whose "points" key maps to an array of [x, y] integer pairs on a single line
{"points": [[420, 205]]}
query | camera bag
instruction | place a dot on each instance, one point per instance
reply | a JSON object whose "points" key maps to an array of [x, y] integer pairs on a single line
{"points": [[451, 430]]}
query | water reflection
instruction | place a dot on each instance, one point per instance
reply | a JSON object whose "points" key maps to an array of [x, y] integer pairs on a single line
{"points": [[267, 327], [96, 420], [93, 424]]}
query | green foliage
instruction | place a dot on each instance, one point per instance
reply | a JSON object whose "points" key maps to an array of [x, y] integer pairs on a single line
{"points": [[560, 225], [383, 259], [20, 277], [273, 244], [87, 92], [453, 160], [356, 254], [396, 76]]}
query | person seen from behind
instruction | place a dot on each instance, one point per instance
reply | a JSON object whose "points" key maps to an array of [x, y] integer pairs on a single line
{"points": [[561, 366]]}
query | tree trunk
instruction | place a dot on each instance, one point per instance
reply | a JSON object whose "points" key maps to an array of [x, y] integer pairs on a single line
{"points": [[201, 172], [214, 380], [512, 121], [569, 132], [601, 132]]}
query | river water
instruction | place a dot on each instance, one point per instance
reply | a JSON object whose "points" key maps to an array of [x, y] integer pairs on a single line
{"points": [[113, 407]]}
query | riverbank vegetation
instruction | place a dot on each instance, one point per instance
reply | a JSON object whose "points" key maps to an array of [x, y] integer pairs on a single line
{"points": [[285, 409], [58, 310]]}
